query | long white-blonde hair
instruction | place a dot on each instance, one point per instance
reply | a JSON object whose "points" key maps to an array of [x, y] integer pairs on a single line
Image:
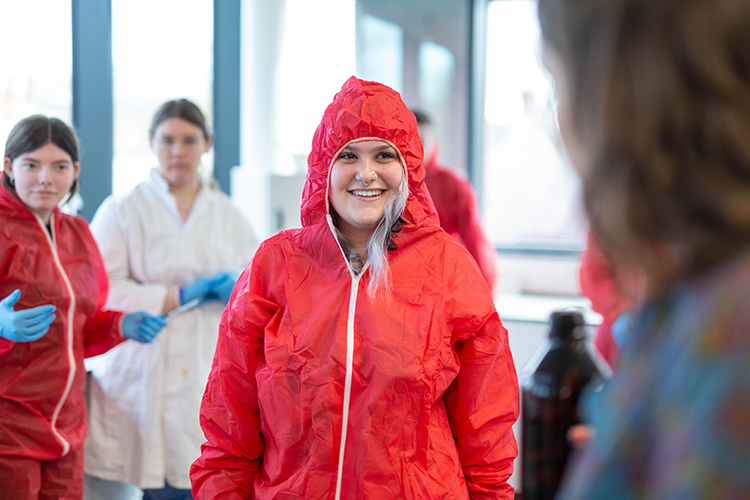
{"points": [[380, 242]]}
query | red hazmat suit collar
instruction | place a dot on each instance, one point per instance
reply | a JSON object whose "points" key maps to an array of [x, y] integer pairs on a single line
{"points": [[363, 109]]}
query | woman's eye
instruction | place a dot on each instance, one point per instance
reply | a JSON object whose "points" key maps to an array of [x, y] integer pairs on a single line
{"points": [[62, 167], [166, 141], [347, 156], [28, 166], [386, 156], [190, 141]]}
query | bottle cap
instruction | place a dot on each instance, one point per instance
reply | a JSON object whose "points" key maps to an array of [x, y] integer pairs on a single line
{"points": [[566, 324]]}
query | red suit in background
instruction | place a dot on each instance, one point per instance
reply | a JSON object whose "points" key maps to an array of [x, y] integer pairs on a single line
{"points": [[457, 207], [607, 289]]}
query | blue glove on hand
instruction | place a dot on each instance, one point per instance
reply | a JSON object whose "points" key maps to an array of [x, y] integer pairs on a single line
{"points": [[621, 329], [222, 284], [142, 327], [198, 290], [25, 325]]}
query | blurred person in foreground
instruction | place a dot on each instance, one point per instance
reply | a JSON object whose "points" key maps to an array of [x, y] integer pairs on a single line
{"points": [[456, 204], [172, 240], [654, 109], [361, 356]]}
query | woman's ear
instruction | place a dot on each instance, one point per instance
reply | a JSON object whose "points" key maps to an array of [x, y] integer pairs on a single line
{"points": [[209, 143], [7, 167], [77, 168]]}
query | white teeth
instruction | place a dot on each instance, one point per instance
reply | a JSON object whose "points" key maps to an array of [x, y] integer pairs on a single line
{"points": [[367, 193]]}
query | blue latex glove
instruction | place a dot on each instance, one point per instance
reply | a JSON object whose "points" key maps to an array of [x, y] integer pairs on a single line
{"points": [[198, 290], [25, 325], [142, 327], [222, 284], [621, 329]]}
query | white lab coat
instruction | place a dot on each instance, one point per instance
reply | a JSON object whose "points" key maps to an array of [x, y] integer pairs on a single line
{"points": [[145, 398]]}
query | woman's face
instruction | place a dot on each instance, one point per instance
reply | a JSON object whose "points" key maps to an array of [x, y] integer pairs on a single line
{"points": [[573, 144], [42, 178], [178, 145], [363, 178]]}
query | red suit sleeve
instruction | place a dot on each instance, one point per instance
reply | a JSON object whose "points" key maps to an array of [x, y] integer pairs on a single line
{"points": [[482, 402], [102, 333], [230, 415]]}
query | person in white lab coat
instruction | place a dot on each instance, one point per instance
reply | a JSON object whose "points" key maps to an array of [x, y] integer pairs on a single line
{"points": [[172, 240]]}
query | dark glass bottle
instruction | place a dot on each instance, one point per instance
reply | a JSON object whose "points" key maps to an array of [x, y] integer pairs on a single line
{"points": [[551, 384]]}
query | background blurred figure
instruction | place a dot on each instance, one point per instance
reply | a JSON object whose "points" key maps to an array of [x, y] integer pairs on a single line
{"points": [[456, 204], [172, 240], [654, 109], [50, 263], [362, 355]]}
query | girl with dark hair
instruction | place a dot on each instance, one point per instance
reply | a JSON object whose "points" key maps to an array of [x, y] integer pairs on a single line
{"points": [[173, 240], [654, 109], [361, 356], [50, 262]]}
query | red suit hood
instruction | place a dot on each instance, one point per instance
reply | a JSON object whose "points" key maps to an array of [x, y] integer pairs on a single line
{"points": [[363, 109]]}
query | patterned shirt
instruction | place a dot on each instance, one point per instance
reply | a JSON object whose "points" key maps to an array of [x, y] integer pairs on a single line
{"points": [[674, 423]]}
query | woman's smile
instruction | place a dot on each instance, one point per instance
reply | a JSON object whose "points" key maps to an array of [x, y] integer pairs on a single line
{"points": [[369, 193], [364, 176]]}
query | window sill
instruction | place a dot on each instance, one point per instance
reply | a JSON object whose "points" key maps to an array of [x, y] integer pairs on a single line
{"points": [[537, 308]]}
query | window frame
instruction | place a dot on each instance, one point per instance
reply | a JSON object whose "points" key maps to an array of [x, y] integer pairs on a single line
{"points": [[93, 99], [477, 76]]}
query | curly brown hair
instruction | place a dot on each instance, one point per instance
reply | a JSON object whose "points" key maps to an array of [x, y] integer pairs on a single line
{"points": [[660, 94]]}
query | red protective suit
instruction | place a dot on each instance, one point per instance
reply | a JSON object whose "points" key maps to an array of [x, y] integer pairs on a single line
{"points": [[316, 386], [42, 409], [458, 209], [599, 283]]}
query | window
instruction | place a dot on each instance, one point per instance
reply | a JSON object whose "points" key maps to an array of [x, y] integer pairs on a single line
{"points": [[168, 56], [436, 73], [421, 48], [380, 57], [315, 61], [531, 193], [35, 76]]}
